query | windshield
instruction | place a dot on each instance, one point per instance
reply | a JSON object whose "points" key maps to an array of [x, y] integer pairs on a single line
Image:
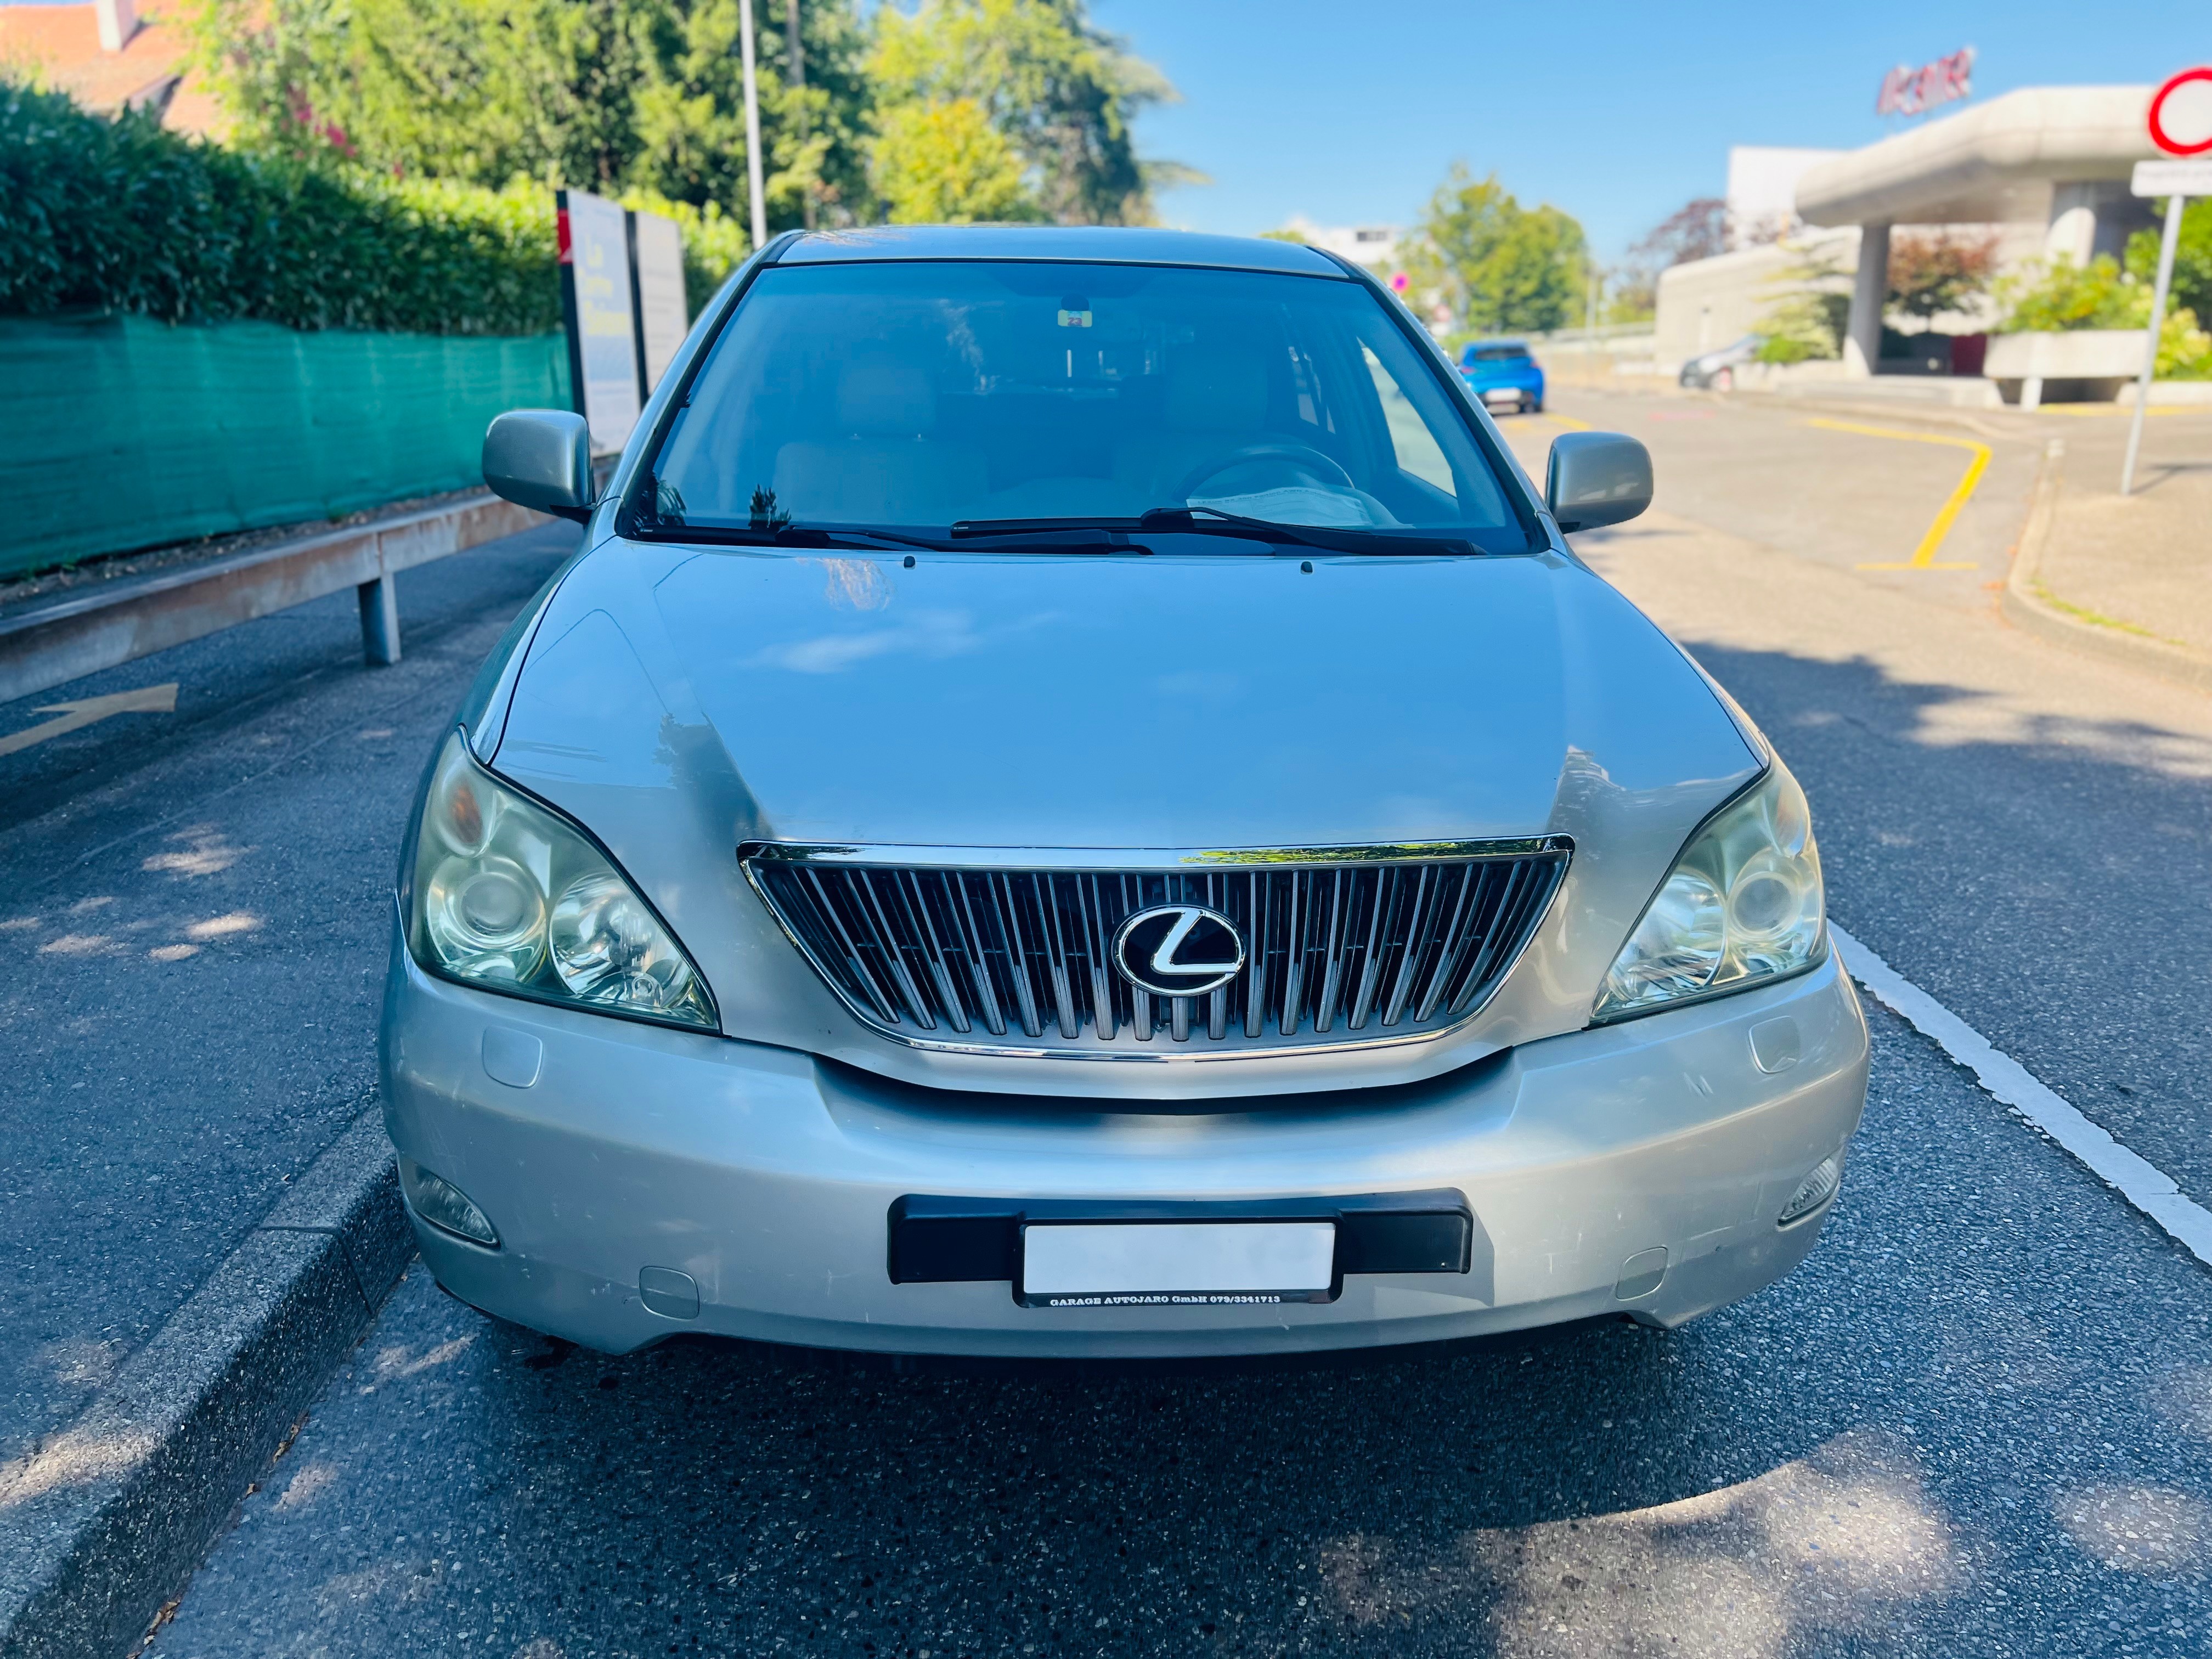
{"points": [[1498, 354], [913, 397]]}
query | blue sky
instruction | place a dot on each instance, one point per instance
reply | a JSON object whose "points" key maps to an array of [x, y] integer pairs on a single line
{"points": [[1351, 110]]}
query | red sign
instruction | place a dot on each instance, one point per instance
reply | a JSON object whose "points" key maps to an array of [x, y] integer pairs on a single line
{"points": [[1914, 92], [2182, 126]]}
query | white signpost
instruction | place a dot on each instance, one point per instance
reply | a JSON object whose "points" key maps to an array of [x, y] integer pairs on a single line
{"points": [[2180, 122], [596, 297]]}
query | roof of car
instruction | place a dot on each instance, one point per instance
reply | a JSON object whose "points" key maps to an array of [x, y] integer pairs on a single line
{"points": [[1109, 244], [1502, 340]]}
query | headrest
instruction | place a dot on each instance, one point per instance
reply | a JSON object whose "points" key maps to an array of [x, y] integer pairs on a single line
{"points": [[882, 395], [1217, 385]]}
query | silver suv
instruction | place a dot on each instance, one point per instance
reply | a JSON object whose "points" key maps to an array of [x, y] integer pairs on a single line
{"points": [[1075, 802]]}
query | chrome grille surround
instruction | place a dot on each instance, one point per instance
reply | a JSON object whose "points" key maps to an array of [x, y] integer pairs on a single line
{"points": [[1004, 950]]}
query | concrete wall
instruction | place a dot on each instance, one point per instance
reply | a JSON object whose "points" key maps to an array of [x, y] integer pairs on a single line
{"points": [[1709, 303]]}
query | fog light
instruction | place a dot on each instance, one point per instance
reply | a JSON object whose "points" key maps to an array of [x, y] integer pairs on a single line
{"points": [[445, 1205], [1815, 1189]]}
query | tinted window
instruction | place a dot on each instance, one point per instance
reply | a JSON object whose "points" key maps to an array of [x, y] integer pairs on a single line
{"points": [[917, 395], [1507, 354]]}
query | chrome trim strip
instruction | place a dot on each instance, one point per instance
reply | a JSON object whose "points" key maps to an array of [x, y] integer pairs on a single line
{"points": [[1116, 859], [751, 855]]}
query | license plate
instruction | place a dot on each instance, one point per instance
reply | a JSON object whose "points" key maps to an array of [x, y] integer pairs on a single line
{"points": [[1200, 1263], [1502, 395]]}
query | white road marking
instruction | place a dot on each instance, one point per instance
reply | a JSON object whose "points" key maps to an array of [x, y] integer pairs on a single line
{"points": [[74, 716], [2142, 1184]]}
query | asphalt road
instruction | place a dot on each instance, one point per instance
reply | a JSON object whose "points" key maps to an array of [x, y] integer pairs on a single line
{"points": [[1979, 1420], [196, 909]]}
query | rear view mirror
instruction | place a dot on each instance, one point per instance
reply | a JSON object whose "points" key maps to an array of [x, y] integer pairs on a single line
{"points": [[1596, 478], [541, 459]]}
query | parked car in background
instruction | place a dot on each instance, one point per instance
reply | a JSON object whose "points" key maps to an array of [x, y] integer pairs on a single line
{"points": [[1715, 370], [1076, 802], [1501, 373]]}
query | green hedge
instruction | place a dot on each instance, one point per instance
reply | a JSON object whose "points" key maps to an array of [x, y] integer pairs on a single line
{"points": [[121, 215]]}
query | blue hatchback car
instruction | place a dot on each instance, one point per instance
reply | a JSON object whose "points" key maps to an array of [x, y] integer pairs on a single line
{"points": [[1501, 372]]}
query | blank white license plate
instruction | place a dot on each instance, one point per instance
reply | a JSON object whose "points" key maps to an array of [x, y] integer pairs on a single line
{"points": [[1137, 1262]]}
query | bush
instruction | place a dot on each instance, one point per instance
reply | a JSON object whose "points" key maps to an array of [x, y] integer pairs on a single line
{"points": [[2060, 296], [2184, 350], [122, 215]]}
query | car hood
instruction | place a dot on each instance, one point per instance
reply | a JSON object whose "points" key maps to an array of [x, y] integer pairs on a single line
{"points": [[681, 700]]}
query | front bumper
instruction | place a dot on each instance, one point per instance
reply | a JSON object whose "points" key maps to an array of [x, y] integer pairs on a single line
{"points": [[768, 1177]]}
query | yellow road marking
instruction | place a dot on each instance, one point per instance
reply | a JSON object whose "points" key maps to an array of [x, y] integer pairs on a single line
{"points": [[1566, 420], [147, 700], [1923, 556]]}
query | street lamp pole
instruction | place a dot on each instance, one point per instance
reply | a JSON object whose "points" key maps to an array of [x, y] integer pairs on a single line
{"points": [[752, 125]]}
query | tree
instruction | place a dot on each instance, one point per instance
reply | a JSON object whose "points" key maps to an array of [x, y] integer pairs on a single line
{"points": [[1059, 92], [943, 162], [1813, 309], [610, 95], [1498, 265], [1696, 230], [1928, 275]]}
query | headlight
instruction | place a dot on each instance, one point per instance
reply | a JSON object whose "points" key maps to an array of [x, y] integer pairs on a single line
{"points": [[508, 896], [1742, 905]]}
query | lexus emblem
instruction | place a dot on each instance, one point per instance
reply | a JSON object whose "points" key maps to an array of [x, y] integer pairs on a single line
{"points": [[1178, 950]]}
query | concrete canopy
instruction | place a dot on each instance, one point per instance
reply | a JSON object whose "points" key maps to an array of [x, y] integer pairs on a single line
{"points": [[1995, 164]]}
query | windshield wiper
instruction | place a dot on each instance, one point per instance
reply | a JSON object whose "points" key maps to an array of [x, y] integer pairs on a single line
{"points": [[1329, 538], [790, 535]]}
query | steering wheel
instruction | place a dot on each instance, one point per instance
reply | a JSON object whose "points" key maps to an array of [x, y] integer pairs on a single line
{"points": [[1300, 453]]}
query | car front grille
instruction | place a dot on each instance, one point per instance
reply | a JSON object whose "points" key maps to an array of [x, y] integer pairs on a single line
{"points": [[1342, 945]]}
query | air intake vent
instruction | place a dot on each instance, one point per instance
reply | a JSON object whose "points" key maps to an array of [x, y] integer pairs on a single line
{"points": [[1341, 946]]}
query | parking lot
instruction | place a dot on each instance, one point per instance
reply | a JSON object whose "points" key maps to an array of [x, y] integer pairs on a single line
{"points": [[1979, 1420]]}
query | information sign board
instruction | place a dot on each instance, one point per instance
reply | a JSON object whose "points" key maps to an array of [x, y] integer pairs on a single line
{"points": [[596, 302], [2173, 178], [656, 246]]}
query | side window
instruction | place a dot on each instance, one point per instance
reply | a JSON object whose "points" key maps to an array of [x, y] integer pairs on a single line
{"points": [[1417, 450]]}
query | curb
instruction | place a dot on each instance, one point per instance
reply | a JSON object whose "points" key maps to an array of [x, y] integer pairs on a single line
{"points": [[108, 1519], [2020, 605]]}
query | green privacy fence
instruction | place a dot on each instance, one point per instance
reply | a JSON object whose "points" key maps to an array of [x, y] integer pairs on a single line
{"points": [[119, 432]]}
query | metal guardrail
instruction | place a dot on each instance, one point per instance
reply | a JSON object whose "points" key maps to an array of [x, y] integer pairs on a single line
{"points": [[51, 642]]}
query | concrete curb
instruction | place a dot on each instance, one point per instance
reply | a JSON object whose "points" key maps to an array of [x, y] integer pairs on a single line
{"points": [[106, 1521], [2022, 606]]}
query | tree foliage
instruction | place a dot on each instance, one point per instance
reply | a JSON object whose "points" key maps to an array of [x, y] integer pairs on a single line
{"points": [[2058, 294], [1929, 274], [1696, 230], [1059, 94], [1811, 309], [609, 95], [2192, 257], [1500, 266], [943, 162]]}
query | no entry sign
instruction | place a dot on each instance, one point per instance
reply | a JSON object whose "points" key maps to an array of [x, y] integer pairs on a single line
{"points": [[2181, 113]]}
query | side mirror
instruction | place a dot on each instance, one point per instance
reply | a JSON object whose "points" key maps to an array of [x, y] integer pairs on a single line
{"points": [[1596, 478], [541, 459]]}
